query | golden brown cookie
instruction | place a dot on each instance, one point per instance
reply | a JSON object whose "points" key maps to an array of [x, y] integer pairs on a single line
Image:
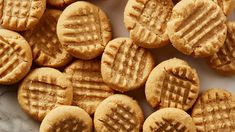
{"points": [[15, 57], [21, 15], [66, 119], [84, 30], [118, 113], [173, 83], [47, 50], [147, 20], [197, 27], [214, 111], [42, 90], [60, 3], [88, 86], [227, 6], [124, 65], [169, 120], [224, 60]]}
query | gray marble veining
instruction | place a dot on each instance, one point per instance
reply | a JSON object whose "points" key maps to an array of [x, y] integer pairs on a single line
{"points": [[12, 117]]}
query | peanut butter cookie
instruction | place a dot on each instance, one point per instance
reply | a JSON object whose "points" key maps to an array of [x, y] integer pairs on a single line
{"points": [[47, 50], [42, 90], [224, 60], [67, 119], [169, 120], [215, 111], [89, 88], [15, 57], [84, 30], [197, 27], [147, 20], [173, 83], [124, 65], [21, 15], [118, 113]]}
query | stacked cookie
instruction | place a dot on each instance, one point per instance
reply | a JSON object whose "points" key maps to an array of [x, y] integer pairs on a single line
{"points": [[79, 71]]}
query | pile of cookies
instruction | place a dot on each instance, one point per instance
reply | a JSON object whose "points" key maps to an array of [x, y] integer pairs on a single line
{"points": [[73, 75]]}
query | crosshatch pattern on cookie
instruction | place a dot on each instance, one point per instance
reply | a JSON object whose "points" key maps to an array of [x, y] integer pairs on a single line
{"points": [[44, 47], [19, 13], [225, 5], [121, 117], [179, 88], [12, 58], [71, 124], [215, 112], [126, 62], [47, 50], [204, 26], [85, 30], [168, 125], [150, 19], [88, 86], [223, 60], [41, 94], [225, 54]]}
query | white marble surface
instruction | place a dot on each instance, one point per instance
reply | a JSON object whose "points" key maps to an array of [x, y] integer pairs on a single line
{"points": [[13, 119]]}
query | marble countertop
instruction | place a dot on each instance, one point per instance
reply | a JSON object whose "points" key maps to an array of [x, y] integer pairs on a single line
{"points": [[13, 119]]}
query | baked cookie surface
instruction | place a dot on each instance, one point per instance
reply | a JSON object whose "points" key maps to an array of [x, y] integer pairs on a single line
{"points": [[124, 65], [42, 90], [197, 27], [146, 21], [227, 6], [169, 120], [224, 60], [88, 86], [66, 119], [84, 30], [214, 111], [47, 50], [15, 57], [21, 15], [172, 83], [118, 113]]}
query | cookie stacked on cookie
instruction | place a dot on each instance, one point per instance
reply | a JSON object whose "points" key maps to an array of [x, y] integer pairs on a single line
{"points": [[73, 76]]}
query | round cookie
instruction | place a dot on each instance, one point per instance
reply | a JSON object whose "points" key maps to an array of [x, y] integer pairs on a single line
{"points": [[224, 60], [15, 57], [146, 21], [118, 113], [47, 50], [42, 90], [173, 83], [66, 119], [215, 111], [88, 86], [197, 27], [169, 120], [60, 3], [124, 65], [84, 30], [21, 15]]}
